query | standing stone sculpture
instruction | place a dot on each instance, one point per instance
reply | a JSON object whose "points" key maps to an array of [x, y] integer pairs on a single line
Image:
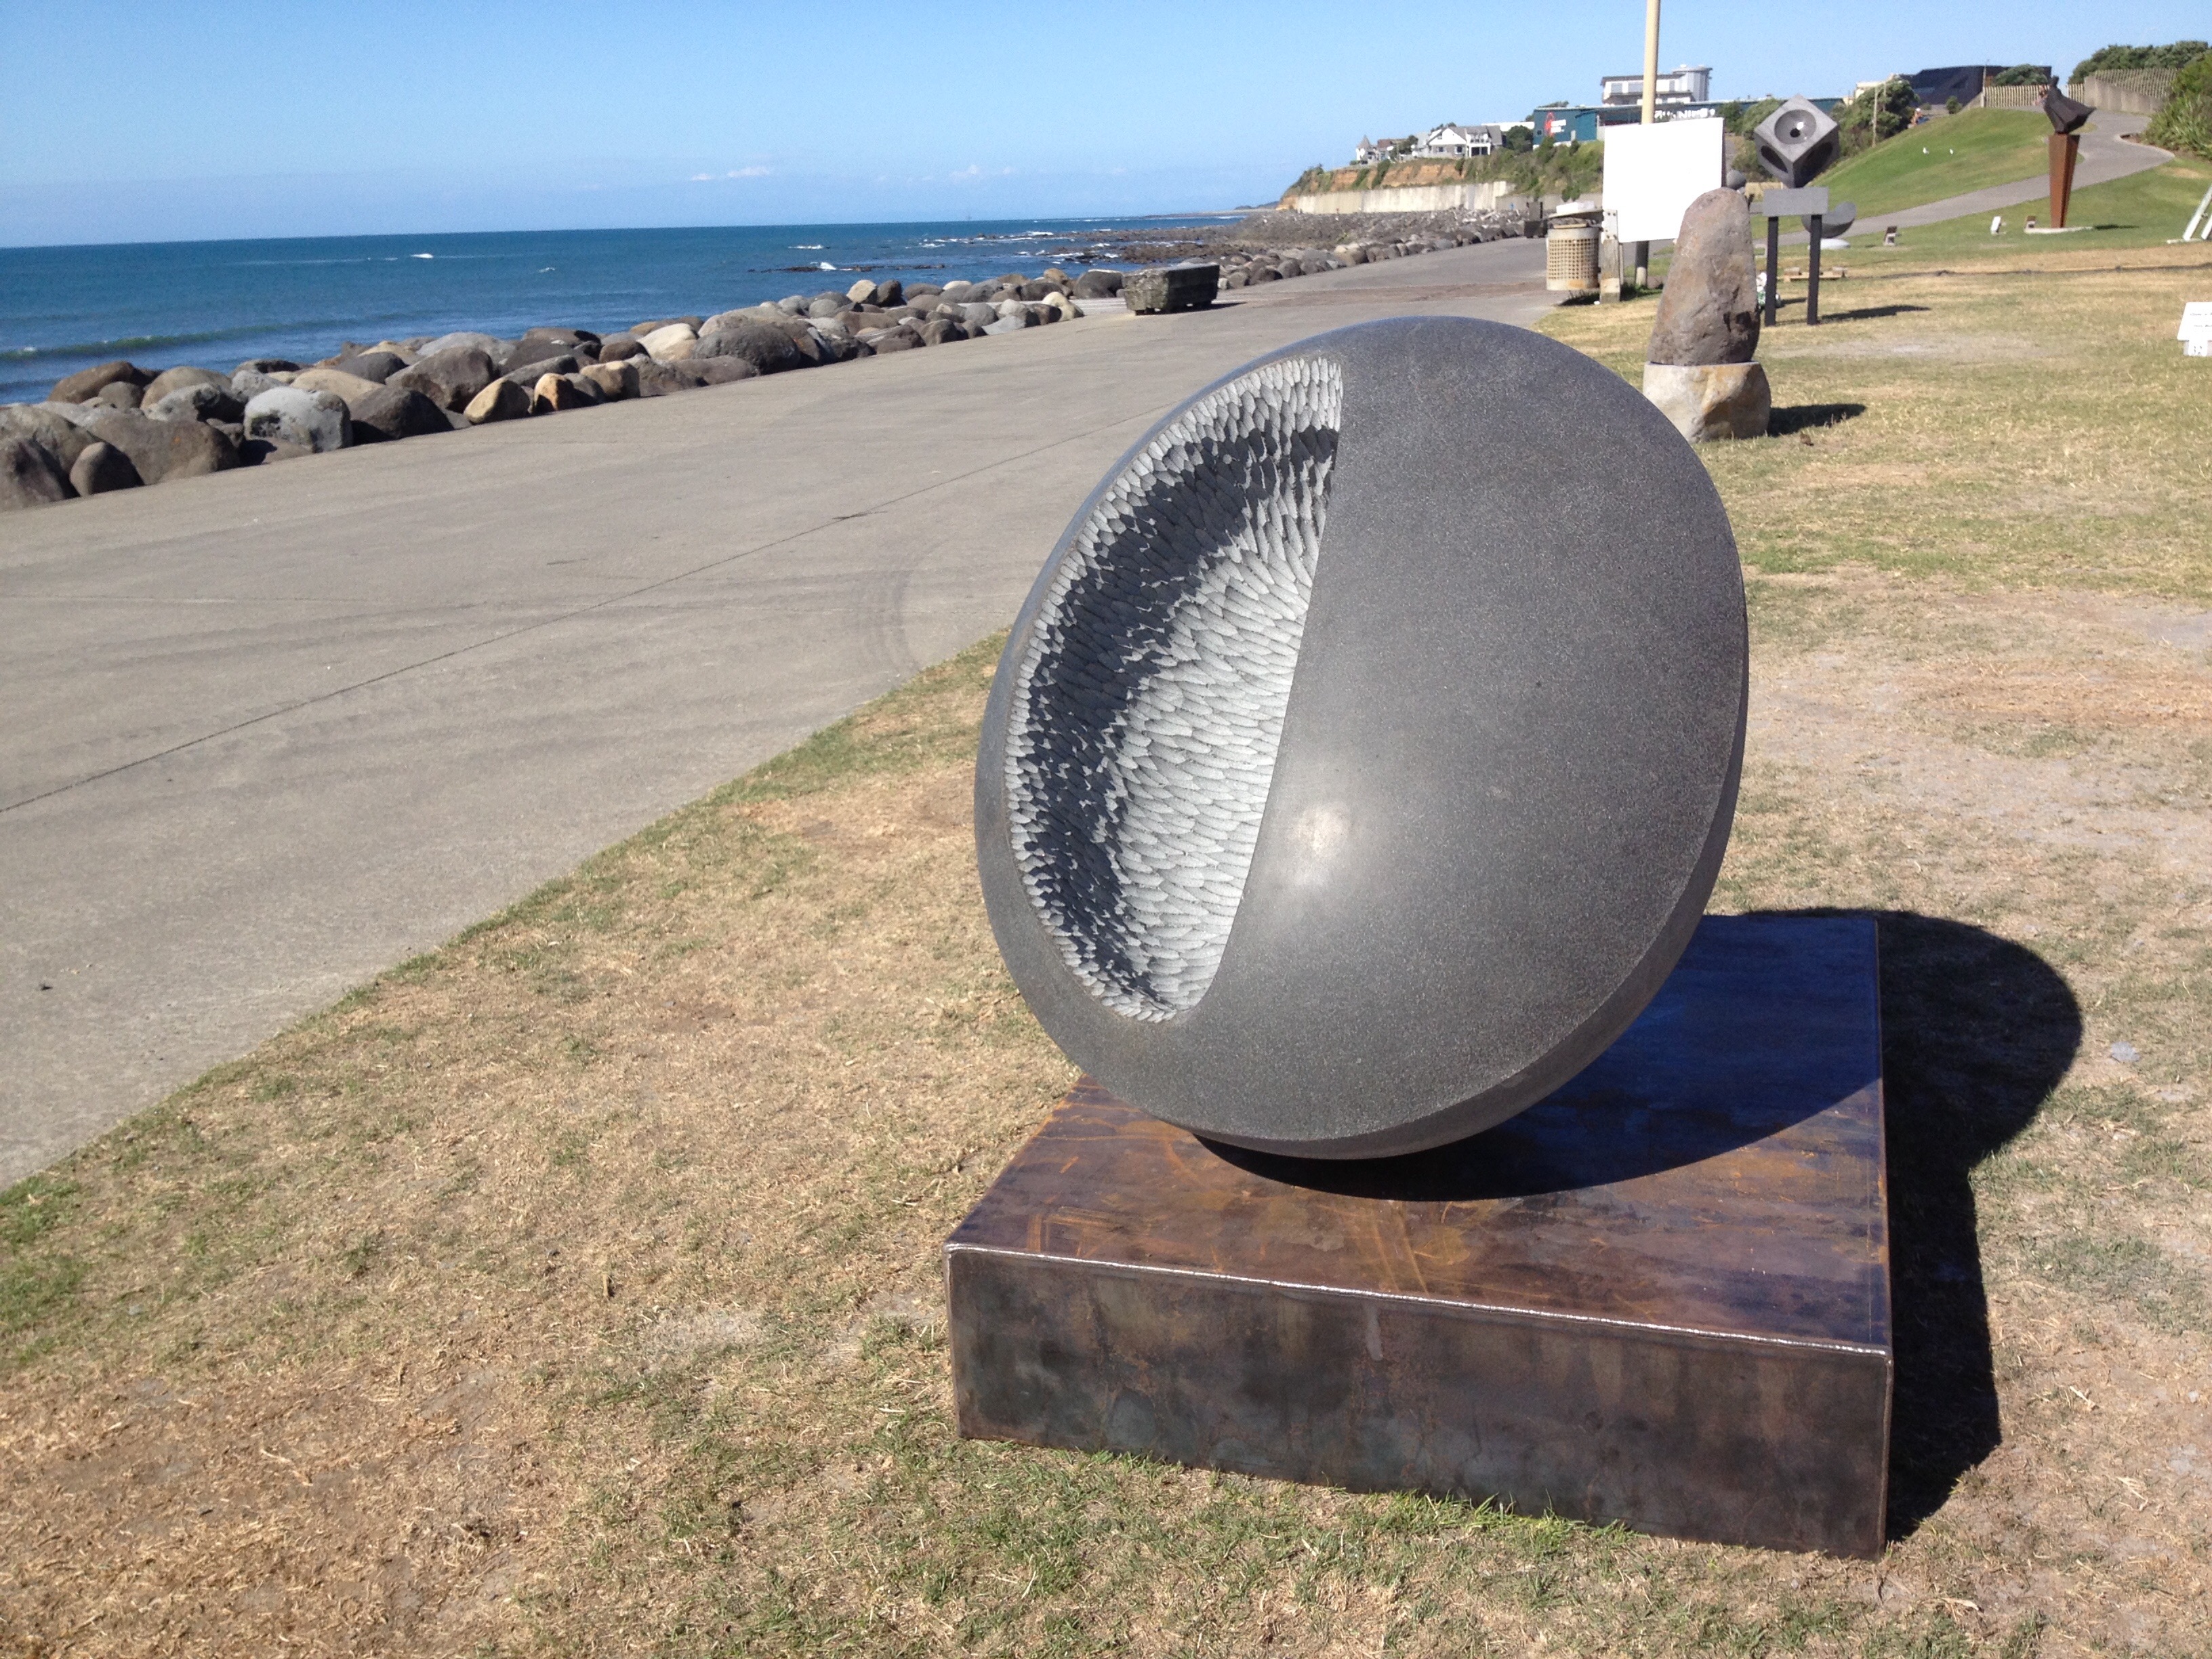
{"points": [[1351, 780], [1698, 368]]}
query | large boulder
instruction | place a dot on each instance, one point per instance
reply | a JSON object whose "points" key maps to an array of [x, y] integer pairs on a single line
{"points": [[621, 348], [102, 468], [1709, 310], [375, 364], [450, 377], [163, 450], [175, 380], [768, 348], [502, 400], [670, 343], [1172, 288], [349, 388], [616, 379], [536, 345], [30, 476], [1097, 284], [490, 344], [657, 380], [527, 375], [118, 394], [301, 416], [556, 392], [720, 371], [49, 427], [1711, 401], [396, 411], [85, 384], [197, 402]]}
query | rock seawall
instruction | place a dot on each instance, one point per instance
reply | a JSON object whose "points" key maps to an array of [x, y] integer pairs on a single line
{"points": [[117, 426]]}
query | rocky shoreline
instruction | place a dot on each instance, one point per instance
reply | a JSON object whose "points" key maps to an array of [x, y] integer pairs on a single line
{"points": [[117, 426]]}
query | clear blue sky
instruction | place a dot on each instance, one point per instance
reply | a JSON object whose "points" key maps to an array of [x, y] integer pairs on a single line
{"points": [[162, 119]]}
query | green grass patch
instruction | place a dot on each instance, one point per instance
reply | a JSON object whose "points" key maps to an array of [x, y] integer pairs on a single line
{"points": [[2144, 210], [1947, 156]]}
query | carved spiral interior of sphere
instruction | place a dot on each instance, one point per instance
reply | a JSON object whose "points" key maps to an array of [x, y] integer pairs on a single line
{"points": [[1363, 756]]}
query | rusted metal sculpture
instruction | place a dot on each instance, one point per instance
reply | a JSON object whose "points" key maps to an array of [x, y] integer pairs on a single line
{"points": [[2067, 119]]}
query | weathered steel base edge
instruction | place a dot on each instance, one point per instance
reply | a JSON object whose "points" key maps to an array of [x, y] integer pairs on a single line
{"points": [[1660, 1298], [1774, 1443]]}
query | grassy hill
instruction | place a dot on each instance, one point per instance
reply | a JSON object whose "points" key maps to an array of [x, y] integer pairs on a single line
{"points": [[1947, 156]]}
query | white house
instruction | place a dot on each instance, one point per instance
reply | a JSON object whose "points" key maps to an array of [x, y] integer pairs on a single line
{"points": [[1455, 141], [1686, 85]]}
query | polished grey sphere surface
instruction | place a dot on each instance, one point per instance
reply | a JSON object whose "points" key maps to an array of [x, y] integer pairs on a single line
{"points": [[1363, 757]]}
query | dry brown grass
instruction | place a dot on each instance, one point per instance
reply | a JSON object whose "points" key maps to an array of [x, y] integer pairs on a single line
{"points": [[574, 1289]]}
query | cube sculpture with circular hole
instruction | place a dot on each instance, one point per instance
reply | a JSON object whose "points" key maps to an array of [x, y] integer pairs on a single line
{"points": [[1363, 756]]}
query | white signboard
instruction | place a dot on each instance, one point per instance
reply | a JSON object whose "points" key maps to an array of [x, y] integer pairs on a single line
{"points": [[1652, 174], [2196, 332]]}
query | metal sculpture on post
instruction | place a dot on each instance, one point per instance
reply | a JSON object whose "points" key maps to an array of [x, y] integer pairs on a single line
{"points": [[2067, 118], [1349, 793], [1794, 143]]}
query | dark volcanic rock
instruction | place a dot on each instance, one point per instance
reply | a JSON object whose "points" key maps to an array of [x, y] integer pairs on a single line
{"points": [[448, 378], [527, 375], [267, 365], [537, 344], [621, 348], [102, 468], [396, 411], [30, 476], [85, 384], [656, 380], [1172, 288], [1097, 284], [720, 371], [1709, 310], [377, 366], [767, 347]]}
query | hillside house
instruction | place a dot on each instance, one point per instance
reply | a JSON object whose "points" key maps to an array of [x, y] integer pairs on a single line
{"points": [[1689, 84], [1454, 141]]}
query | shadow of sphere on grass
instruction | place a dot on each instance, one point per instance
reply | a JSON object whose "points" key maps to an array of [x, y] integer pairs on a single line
{"points": [[1977, 1031]]}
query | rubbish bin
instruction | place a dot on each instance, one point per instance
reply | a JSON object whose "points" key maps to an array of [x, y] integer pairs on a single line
{"points": [[1571, 258]]}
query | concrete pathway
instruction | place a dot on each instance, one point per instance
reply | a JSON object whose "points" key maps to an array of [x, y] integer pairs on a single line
{"points": [[270, 731], [2106, 156]]}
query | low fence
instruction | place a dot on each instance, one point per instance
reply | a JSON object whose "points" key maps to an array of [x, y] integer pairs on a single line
{"points": [[1487, 195], [2125, 92]]}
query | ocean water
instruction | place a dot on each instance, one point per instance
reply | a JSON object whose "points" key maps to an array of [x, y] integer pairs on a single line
{"points": [[217, 303]]}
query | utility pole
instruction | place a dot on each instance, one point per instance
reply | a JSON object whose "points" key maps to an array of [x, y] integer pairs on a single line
{"points": [[1651, 113]]}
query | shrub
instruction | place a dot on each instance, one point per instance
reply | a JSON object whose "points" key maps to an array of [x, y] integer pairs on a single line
{"points": [[2140, 57], [2184, 122], [2023, 75], [1877, 114]]}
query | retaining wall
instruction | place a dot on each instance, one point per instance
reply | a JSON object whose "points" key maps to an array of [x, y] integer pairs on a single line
{"points": [[1490, 193]]}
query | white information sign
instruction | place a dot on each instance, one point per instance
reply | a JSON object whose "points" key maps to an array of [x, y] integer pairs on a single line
{"points": [[1653, 173], [2196, 331]]}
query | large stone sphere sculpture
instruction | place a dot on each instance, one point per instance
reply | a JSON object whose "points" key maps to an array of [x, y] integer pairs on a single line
{"points": [[1363, 758]]}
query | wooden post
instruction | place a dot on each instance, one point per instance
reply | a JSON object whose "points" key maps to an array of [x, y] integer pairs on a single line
{"points": [[2064, 147], [1650, 59]]}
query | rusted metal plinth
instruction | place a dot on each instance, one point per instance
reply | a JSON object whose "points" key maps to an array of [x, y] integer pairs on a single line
{"points": [[2065, 149], [1660, 1297]]}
